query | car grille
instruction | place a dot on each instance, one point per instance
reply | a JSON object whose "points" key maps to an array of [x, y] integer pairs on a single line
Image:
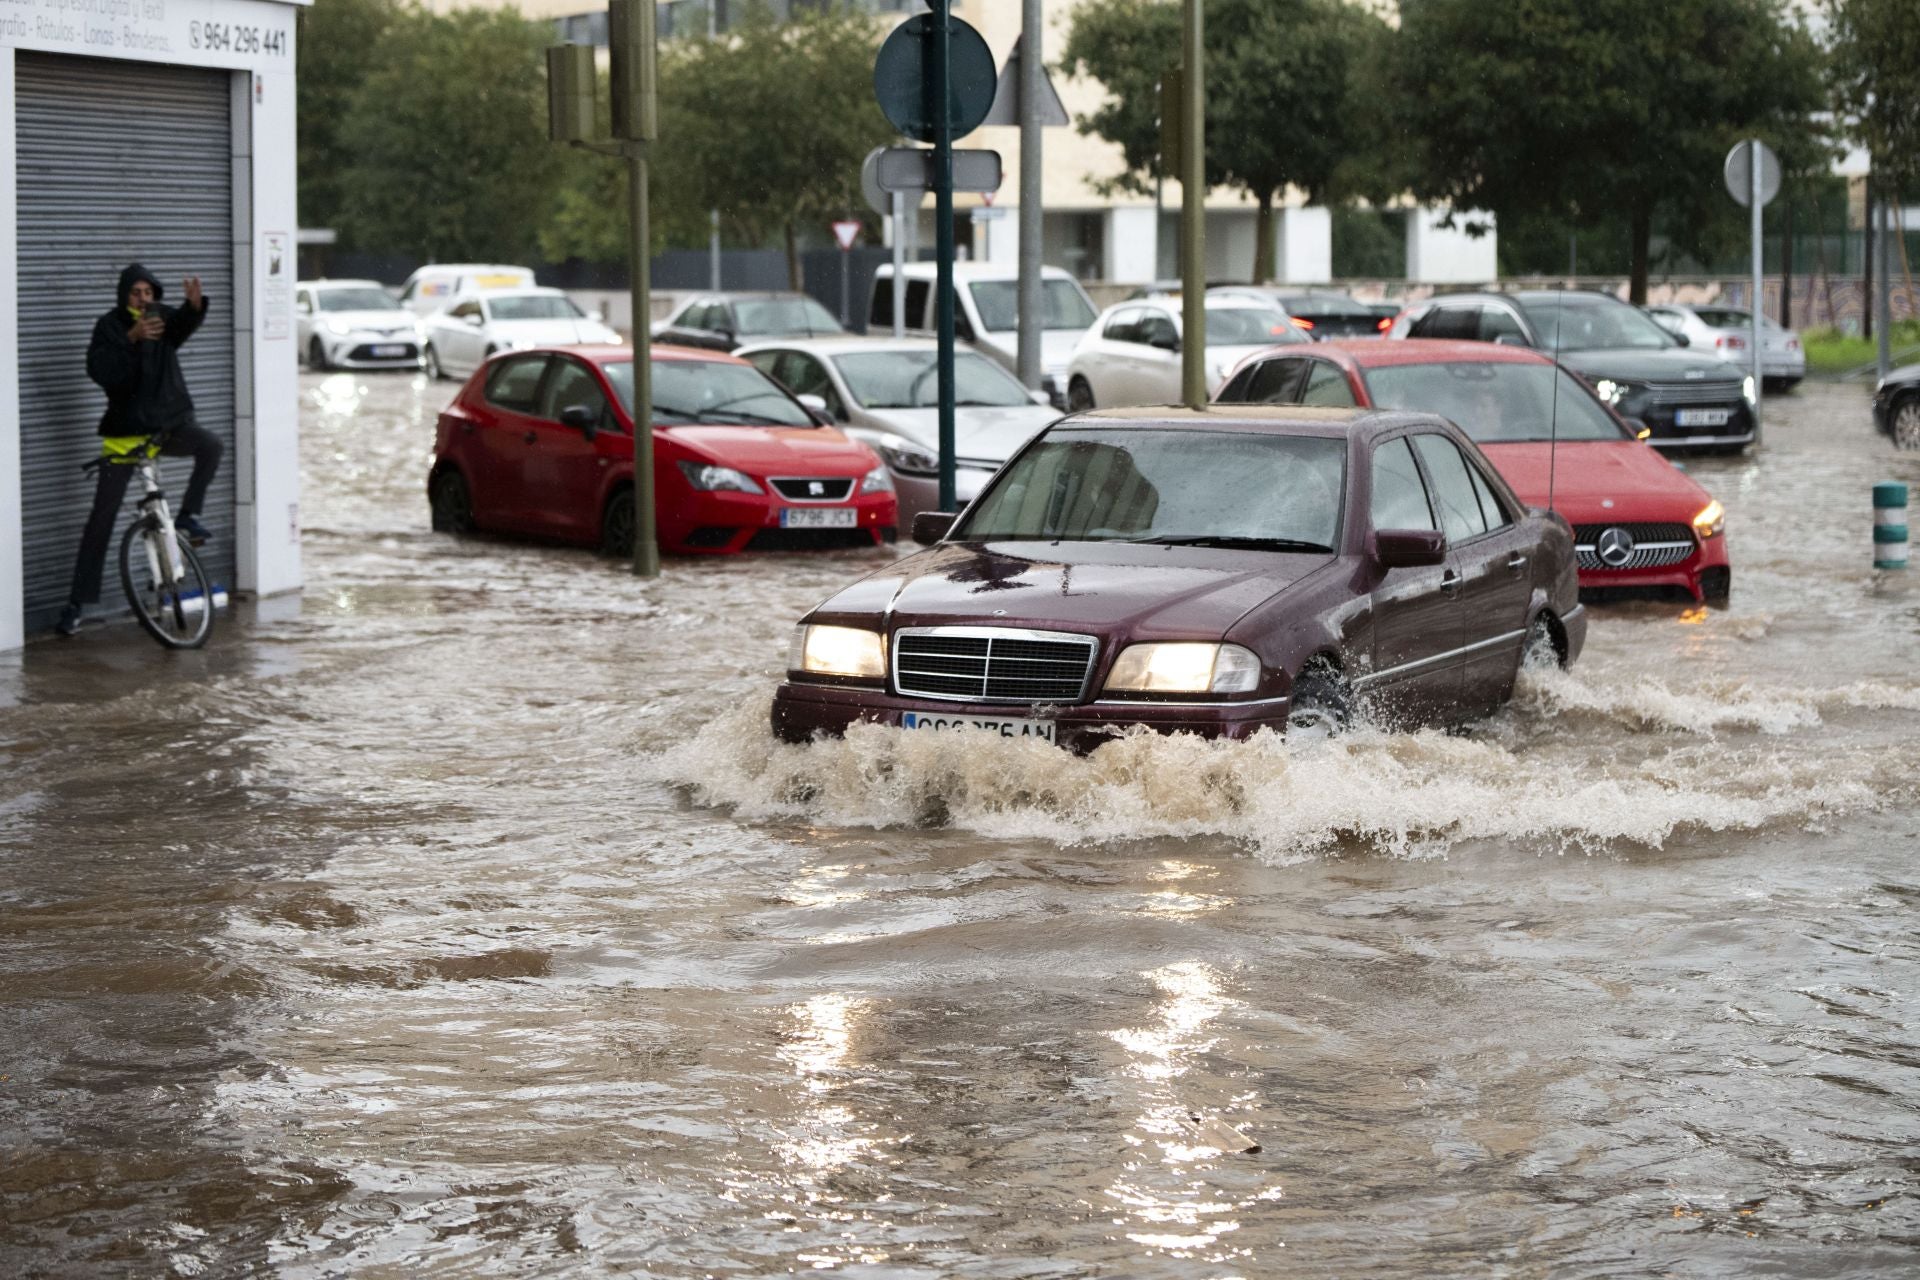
{"points": [[365, 351], [1654, 545], [813, 488], [990, 664], [1671, 394]]}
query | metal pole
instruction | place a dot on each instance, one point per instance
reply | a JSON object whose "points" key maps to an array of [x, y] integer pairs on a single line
{"points": [[846, 285], [1753, 209], [1193, 212], [1032, 76], [943, 237], [646, 550], [713, 250], [899, 264], [1883, 285]]}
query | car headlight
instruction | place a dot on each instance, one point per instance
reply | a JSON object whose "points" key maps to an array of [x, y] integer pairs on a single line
{"points": [[338, 328], [837, 651], [1711, 519], [1611, 391], [1184, 668], [1748, 390], [708, 478], [900, 453], [877, 481]]}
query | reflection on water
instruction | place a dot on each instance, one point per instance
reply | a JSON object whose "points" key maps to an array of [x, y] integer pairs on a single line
{"points": [[467, 920]]}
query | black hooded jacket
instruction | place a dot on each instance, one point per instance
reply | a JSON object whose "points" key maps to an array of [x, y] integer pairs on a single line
{"points": [[146, 392]]}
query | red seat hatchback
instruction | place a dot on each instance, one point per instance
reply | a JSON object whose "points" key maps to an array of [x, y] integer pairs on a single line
{"points": [[1638, 521], [541, 442]]}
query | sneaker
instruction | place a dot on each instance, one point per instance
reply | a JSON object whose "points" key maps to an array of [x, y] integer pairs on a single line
{"points": [[69, 623], [192, 530]]}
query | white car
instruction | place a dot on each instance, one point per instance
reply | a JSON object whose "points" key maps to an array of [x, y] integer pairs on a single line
{"points": [[1132, 355], [433, 288], [1726, 331], [884, 391], [986, 313], [353, 324], [460, 339]]}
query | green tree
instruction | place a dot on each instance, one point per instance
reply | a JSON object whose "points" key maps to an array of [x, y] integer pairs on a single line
{"points": [[446, 138], [335, 43], [1876, 82], [1597, 109], [1286, 96]]}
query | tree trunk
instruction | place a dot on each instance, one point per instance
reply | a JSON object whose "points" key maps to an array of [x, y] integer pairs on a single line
{"points": [[1642, 232], [796, 279], [1786, 267], [1866, 274], [1263, 239]]}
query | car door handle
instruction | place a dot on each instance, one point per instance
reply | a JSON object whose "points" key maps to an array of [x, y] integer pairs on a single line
{"points": [[1515, 563], [1450, 583], [530, 437]]}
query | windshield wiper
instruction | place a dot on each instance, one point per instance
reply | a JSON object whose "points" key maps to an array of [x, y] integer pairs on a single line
{"points": [[1230, 540]]}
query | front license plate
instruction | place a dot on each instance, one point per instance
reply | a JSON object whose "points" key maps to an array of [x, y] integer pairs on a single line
{"points": [[1041, 729], [818, 517], [1701, 417], [387, 351]]}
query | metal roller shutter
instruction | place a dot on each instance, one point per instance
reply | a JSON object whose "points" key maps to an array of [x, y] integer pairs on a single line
{"points": [[118, 162]]}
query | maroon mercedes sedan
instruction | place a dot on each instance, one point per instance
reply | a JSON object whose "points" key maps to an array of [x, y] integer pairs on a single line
{"points": [[1237, 568]]}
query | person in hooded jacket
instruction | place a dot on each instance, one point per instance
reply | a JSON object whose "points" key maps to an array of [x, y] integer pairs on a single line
{"points": [[135, 358]]}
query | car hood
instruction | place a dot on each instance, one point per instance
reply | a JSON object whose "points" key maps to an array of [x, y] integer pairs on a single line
{"points": [[544, 332], [1056, 346], [1905, 373], [989, 434], [1159, 592], [776, 451], [1673, 364], [1595, 481]]}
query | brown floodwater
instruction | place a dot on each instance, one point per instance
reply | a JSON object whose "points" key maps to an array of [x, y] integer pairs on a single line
{"points": [[462, 918]]}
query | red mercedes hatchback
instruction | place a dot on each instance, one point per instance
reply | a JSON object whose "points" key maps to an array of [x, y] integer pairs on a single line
{"points": [[541, 442], [1638, 520]]}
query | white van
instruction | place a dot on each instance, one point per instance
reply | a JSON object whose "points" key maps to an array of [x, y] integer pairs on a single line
{"points": [[986, 313], [430, 289]]}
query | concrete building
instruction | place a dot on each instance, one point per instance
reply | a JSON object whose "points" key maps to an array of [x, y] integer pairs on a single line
{"points": [[159, 131]]}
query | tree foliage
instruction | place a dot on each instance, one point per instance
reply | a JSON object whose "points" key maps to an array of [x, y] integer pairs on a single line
{"points": [[1876, 82], [335, 44], [1596, 109], [1288, 101]]}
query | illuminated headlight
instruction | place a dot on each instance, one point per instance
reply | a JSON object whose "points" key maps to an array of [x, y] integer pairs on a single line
{"points": [[1185, 668], [837, 651], [877, 481], [1612, 392], [900, 453], [1748, 390], [1711, 520], [707, 478], [338, 328]]}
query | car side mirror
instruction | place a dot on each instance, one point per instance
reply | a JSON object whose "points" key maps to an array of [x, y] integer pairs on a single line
{"points": [[472, 320], [813, 403], [581, 419], [597, 316], [1683, 339], [1165, 343], [931, 526], [1511, 340], [1409, 548], [1041, 398]]}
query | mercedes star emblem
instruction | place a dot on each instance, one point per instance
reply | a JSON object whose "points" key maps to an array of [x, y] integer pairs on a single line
{"points": [[1615, 547]]}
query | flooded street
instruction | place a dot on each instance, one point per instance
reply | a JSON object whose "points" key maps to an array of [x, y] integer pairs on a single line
{"points": [[463, 918]]}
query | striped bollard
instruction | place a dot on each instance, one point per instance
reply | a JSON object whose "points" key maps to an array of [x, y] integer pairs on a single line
{"points": [[1889, 525]]}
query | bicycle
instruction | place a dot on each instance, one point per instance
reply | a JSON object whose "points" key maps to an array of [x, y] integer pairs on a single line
{"points": [[164, 581]]}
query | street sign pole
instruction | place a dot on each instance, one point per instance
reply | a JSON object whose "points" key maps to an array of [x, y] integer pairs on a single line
{"points": [[1757, 202], [1032, 81], [1193, 212], [635, 120], [900, 261], [942, 114]]}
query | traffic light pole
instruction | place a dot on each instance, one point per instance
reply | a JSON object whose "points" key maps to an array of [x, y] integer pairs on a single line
{"points": [[942, 103], [646, 546], [1193, 211]]}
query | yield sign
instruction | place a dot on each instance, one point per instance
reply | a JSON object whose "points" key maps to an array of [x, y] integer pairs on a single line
{"points": [[846, 232]]}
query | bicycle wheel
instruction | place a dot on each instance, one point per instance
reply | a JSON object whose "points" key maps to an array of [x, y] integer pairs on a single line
{"points": [[177, 613]]}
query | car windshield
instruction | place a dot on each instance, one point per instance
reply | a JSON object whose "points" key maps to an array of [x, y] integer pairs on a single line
{"points": [[1496, 403], [777, 317], [1570, 324], [354, 300], [1250, 326], [1141, 484], [1062, 305], [711, 391], [906, 380], [534, 306], [1323, 304]]}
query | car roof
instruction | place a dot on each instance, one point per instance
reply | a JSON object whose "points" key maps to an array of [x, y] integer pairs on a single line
{"points": [[510, 291], [1371, 353], [969, 271], [731, 294], [1290, 419], [329, 282], [435, 267], [841, 344]]}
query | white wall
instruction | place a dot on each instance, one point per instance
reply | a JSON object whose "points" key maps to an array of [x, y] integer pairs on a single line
{"points": [[1303, 245], [1129, 245], [1439, 255]]}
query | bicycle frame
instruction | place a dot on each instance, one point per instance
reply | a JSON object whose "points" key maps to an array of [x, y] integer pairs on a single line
{"points": [[153, 508]]}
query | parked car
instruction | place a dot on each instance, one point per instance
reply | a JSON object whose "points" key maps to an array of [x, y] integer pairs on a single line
{"points": [[1685, 399], [1132, 353], [433, 288], [541, 442], [1215, 572], [1638, 521], [353, 324], [883, 391], [1896, 406], [1727, 332], [987, 313], [1323, 313], [724, 321], [475, 327]]}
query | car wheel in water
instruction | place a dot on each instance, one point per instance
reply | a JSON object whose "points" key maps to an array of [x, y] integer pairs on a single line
{"points": [[430, 361], [452, 505], [1541, 651], [1322, 705], [1079, 396], [616, 525], [316, 356], [1906, 423]]}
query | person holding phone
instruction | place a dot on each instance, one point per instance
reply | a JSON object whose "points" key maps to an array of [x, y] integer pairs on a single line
{"points": [[134, 357]]}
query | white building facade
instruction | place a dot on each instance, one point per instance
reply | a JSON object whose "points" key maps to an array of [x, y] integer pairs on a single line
{"points": [[159, 132]]}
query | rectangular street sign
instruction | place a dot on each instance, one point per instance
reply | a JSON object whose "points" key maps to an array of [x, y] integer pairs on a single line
{"points": [[910, 169]]}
